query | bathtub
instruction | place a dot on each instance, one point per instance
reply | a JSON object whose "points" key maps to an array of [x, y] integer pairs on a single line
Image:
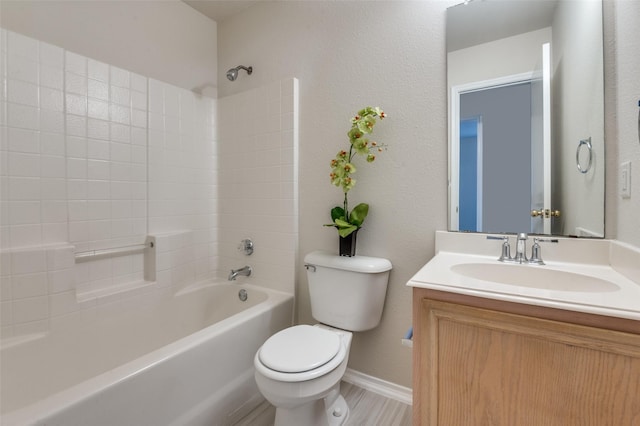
{"points": [[163, 360]]}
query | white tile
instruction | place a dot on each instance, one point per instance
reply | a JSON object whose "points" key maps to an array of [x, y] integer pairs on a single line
{"points": [[18, 44], [97, 190], [98, 129], [98, 109], [51, 99], [61, 280], [22, 140], [26, 235], [97, 149], [120, 132], [122, 190], [22, 116], [54, 211], [139, 118], [51, 77], [120, 95], [120, 114], [76, 125], [76, 168], [121, 228], [98, 90], [77, 84], [21, 92], [98, 169], [55, 232], [24, 188], [24, 212], [75, 63], [76, 104], [20, 68], [77, 189], [52, 167], [28, 261], [51, 55], [52, 144], [120, 171], [120, 77], [78, 231], [77, 210], [100, 269], [139, 100], [76, 147], [53, 189], [60, 257], [98, 209], [138, 83], [6, 315], [29, 285], [51, 121], [120, 152], [63, 303], [98, 70]]}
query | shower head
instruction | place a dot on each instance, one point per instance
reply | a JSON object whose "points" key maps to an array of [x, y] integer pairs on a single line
{"points": [[232, 74]]}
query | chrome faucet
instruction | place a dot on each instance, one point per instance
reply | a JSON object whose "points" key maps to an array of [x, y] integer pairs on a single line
{"points": [[521, 248], [246, 271], [536, 256]]}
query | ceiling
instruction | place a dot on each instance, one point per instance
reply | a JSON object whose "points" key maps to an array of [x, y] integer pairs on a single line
{"points": [[219, 10]]}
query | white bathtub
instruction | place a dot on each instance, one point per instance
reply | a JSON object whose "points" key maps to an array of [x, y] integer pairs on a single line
{"points": [[180, 359]]}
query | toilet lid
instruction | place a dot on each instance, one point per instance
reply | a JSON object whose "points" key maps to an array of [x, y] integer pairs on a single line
{"points": [[298, 349]]}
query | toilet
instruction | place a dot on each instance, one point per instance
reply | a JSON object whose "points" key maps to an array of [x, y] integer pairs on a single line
{"points": [[299, 369]]}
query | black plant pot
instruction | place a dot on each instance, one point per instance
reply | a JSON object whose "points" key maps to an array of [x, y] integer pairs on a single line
{"points": [[348, 244]]}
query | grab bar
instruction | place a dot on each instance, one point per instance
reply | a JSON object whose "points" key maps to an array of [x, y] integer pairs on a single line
{"points": [[115, 251]]}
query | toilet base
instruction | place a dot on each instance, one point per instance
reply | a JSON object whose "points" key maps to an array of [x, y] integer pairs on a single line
{"points": [[332, 410]]}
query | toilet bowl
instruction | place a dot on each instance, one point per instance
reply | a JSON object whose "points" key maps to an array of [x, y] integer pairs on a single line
{"points": [[299, 369]]}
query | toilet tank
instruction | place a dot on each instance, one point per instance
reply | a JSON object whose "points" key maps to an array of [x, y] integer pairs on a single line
{"points": [[347, 292]]}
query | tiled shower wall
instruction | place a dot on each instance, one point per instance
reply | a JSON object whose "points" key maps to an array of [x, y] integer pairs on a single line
{"points": [[258, 191], [94, 156]]}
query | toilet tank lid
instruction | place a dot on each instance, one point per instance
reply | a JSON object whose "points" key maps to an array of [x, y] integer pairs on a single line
{"points": [[363, 264]]}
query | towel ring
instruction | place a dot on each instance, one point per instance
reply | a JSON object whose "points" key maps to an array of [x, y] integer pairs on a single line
{"points": [[587, 143]]}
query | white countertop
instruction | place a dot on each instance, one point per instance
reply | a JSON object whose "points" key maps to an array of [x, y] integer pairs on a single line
{"points": [[622, 303]]}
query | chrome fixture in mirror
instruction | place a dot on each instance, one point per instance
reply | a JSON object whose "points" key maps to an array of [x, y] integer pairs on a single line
{"points": [[526, 90]]}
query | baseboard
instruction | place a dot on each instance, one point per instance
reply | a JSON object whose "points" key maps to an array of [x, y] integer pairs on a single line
{"points": [[379, 386]]}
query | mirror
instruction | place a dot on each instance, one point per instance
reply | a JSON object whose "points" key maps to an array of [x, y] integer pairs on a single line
{"points": [[526, 117]]}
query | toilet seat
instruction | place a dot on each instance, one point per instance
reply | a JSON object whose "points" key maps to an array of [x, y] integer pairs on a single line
{"points": [[300, 353], [299, 349]]}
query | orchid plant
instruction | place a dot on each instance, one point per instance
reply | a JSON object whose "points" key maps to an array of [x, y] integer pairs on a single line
{"points": [[342, 169]]}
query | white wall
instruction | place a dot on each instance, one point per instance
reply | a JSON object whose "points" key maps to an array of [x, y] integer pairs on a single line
{"points": [[347, 55], [627, 32], [165, 40]]}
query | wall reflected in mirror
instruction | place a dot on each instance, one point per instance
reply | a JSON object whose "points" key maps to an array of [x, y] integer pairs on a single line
{"points": [[526, 93]]}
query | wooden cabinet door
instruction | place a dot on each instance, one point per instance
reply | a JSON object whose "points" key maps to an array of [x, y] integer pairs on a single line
{"points": [[483, 367]]}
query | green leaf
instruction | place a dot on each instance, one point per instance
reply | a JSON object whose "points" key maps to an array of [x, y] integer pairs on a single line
{"points": [[359, 214], [337, 213]]}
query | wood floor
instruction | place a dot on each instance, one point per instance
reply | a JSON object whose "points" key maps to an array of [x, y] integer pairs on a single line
{"points": [[366, 409]]}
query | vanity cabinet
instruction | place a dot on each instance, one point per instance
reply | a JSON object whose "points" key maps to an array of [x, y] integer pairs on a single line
{"points": [[486, 362]]}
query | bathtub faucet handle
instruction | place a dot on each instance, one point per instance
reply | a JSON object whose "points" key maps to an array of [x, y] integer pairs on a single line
{"points": [[246, 271]]}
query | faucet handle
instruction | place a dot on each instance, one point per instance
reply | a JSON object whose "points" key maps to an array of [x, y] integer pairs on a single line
{"points": [[506, 248], [536, 257]]}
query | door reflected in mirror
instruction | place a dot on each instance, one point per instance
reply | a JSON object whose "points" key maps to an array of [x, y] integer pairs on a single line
{"points": [[526, 87]]}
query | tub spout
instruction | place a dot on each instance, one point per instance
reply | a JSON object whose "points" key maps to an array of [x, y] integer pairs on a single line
{"points": [[246, 271]]}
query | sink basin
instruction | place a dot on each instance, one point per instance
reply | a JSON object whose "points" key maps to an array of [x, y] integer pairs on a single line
{"points": [[538, 277]]}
